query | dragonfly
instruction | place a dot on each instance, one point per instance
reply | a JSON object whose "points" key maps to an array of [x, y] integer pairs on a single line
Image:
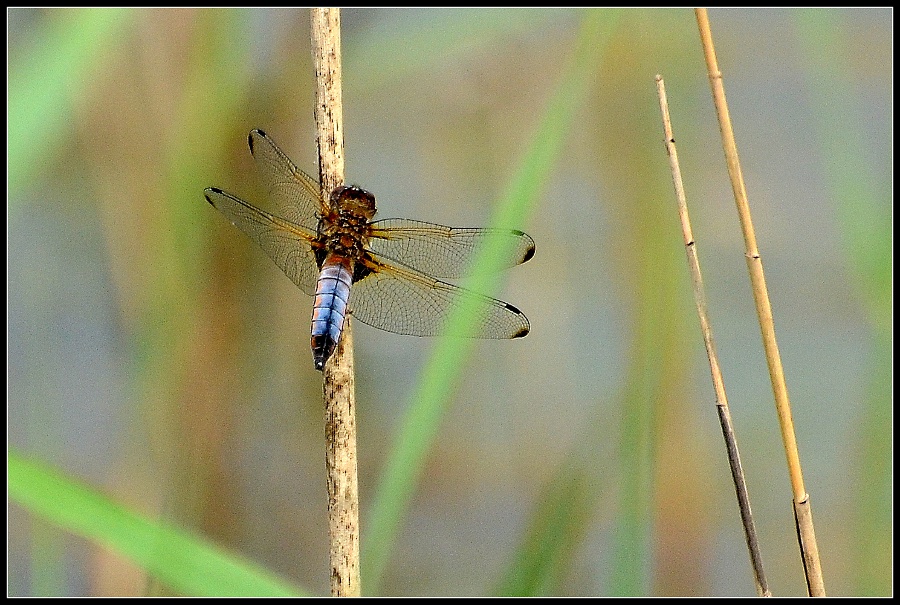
{"points": [[387, 273]]}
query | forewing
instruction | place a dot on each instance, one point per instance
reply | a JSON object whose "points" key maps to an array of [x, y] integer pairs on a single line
{"points": [[295, 194], [288, 244], [407, 302], [443, 251]]}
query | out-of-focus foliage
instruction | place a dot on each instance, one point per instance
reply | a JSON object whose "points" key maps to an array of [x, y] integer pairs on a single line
{"points": [[157, 355]]}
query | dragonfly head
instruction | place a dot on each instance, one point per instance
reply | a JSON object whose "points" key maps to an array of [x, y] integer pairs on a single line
{"points": [[353, 200]]}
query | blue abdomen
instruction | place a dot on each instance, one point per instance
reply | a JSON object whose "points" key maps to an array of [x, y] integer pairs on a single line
{"points": [[330, 307]]}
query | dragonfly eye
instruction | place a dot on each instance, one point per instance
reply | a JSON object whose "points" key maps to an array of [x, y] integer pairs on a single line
{"points": [[353, 200]]}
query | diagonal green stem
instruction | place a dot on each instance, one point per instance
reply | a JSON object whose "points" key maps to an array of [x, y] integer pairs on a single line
{"points": [[444, 367]]}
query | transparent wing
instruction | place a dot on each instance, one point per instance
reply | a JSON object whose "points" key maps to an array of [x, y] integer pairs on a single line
{"points": [[443, 251], [295, 194], [407, 302], [289, 245]]}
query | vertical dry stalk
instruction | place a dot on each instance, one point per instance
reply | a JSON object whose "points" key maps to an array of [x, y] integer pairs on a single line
{"points": [[734, 459], [338, 386], [802, 511]]}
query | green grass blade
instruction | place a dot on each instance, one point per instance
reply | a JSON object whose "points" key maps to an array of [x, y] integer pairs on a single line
{"points": [[556, 529], [445, 365], [863, 214], [382, 55], [188, 564], [47, 85], [863, 211]]}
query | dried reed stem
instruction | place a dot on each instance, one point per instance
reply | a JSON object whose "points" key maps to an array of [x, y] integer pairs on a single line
{"points": [[802, 511], [734, 459], [338, 383]]}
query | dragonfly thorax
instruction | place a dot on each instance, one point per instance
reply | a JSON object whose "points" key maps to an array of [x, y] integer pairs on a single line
{"points": [[344, 230]]}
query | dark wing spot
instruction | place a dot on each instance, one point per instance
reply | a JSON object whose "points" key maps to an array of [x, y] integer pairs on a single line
{"points": [[528, 254], [250, 138], [321, 253], [214, 190], [526, 328], [513, 309], [360, 270]]}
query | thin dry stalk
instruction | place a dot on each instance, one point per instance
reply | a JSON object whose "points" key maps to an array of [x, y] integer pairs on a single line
{"points": [[734, 459], [338, 383], [802, 512]]}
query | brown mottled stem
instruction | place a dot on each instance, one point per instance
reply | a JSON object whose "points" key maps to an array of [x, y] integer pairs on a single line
{"points": [[338, 383]]}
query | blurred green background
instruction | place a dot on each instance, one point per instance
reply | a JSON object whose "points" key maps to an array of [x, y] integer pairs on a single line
{"points": [[156, 354]]}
